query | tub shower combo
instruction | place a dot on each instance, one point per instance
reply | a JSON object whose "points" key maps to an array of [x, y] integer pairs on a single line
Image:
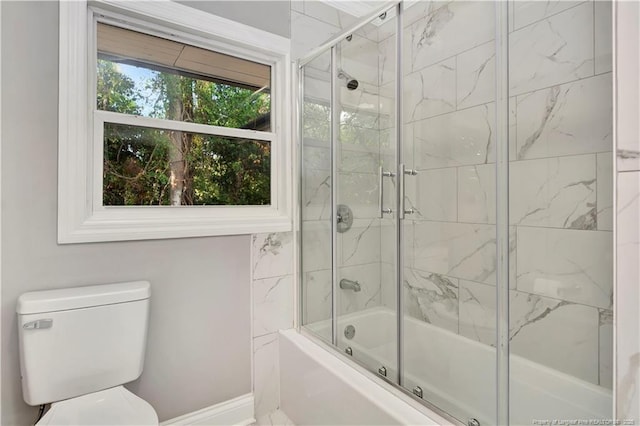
{"points": [[456, 205]]}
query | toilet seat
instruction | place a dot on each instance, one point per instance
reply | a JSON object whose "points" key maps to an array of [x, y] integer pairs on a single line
{"points": [[114, 406]]}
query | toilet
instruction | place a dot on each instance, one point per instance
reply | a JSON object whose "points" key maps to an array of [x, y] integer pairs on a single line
{"points": [[79, 346]]}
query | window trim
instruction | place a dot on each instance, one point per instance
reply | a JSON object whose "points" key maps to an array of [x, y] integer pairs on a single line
{"points": [[81, 215]]}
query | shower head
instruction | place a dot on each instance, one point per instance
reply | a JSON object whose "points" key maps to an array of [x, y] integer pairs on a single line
{"points": [[352, 83]]}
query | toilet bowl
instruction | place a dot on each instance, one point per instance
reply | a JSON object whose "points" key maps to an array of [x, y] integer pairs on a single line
{"points": [[79, 346], [115, 406]]}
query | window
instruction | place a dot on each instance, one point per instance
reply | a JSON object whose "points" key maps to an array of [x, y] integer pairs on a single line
{"points": [[178, 132]]}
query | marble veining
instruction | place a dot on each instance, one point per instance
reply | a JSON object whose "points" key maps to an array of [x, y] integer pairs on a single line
{"points": [[566, 264], [605, 343], [361, 244], [272, 305], [432, 298], [266, 374], [464, 137], [272, 254], [431, 91], [569, 119], [536, 324], [552, 51], [475, 79], [557, 192]]}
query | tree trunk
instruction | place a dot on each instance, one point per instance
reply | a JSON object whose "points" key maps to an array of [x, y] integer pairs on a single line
{"points": [[177, 161]]}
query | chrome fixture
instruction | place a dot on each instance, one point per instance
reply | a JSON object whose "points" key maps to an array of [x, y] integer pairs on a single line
{"points": [[473, 422], [349, 332], [381, 175], [417, 391], [344, 218], [346, 284], [349, 37], [348, 351], [382, 371], [383, 16], [38, 324], [352, 83]]}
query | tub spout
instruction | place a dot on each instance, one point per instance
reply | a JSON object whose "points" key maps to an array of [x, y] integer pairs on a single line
{"points": [[350, 285]]}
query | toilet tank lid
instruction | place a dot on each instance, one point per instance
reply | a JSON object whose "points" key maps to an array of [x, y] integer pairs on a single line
{"points": [[37, 302]]}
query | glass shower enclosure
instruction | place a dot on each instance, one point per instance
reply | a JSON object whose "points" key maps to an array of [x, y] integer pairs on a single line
{"points": [[455, 205]]}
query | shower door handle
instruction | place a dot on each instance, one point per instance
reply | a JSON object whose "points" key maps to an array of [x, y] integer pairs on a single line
{"points": [[404, 172], [381, 175]]}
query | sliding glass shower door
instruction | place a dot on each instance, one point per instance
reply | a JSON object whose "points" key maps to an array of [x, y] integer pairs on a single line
{"points": [[456, 205], [449, 146]]}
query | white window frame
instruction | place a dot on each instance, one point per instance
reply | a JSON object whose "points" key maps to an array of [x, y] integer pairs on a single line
{"points": [[81, 214]]}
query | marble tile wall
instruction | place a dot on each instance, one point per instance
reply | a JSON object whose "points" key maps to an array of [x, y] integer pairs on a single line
{"points": [[561, 198], [627, 211], [272, 310]]}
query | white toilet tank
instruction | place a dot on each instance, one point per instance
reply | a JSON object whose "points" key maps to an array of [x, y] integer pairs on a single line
{"points": [[79, 340]]}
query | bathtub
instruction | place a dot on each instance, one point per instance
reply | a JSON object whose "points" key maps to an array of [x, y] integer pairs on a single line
{"points": [[457, 374]]}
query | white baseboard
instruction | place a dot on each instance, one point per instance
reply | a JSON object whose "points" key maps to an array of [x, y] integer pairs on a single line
{"points": [[237, 411]]}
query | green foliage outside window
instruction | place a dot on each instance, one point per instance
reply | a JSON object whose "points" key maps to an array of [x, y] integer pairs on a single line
{"points": [[145, 166]]}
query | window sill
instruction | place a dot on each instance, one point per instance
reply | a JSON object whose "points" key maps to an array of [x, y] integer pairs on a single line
{"points": [[103, 229]]}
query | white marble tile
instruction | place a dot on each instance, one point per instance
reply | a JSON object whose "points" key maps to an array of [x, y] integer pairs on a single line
{"points": [[360, 107], [316, 157], [370, 295], [387, 61], [477, 312], [605, 191], [627, 72], [266, 374], [553, 51], [536, 325], [446, 29], [477, 194], [528, 11], [359, 161], [430, 91], [628, 297], [460, 250], [359, 191], [475, 76], [566, 264], [388, 286], [316, 245], [606, 348], [432, 298], [361, 243], [359, 59], [272, 255], [316, 293], [465, 137], [308, 33], [386, 30], [556, 192], [603, 36], [356, 138], [573, 118], [513, 128], [316, 194], [272, 305], [432, 193]]}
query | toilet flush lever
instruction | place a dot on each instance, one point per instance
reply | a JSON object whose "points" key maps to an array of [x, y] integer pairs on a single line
{"points": [[38, 324]]}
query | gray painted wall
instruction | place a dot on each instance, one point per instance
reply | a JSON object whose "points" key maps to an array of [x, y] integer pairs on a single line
{"points": [[198, 351], [272, 16]]}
